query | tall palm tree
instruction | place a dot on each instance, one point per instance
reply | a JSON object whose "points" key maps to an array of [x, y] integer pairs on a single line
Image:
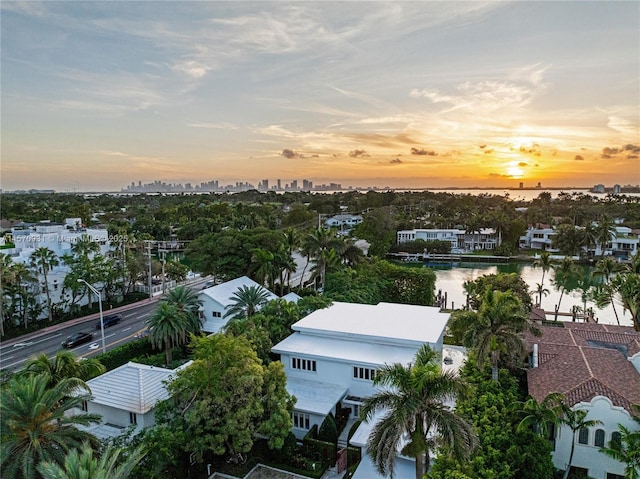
{"points": [[247, 301], [319, 243], [113, 463], [589, 237], [545, 262], [167, 328], [497, 329], [262, 266], [604, 231], [187, 303], [413, 402], [575, 420], [627, 449], [36, 426], [292, 242], [6, 278], [607, 268], [64, 365], [44, 260], [565, 275], [628, 287], [21, 288], [540, 291]]}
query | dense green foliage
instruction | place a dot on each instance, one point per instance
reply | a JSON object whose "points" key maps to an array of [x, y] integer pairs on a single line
{"points": [[503, 451], [504, 282], [378, 281]]}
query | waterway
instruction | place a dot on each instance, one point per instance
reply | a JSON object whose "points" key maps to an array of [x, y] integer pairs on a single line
{"points": [[451, 279]]}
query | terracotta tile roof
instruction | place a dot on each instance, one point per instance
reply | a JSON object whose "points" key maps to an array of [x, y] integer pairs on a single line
{"points": [[583, 360]]}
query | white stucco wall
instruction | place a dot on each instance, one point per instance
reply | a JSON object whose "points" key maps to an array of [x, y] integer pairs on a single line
{"points": [[209, 305], [588, 455]]}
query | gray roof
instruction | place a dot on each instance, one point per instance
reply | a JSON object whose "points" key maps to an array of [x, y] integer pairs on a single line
{"points": [[315, 397], [132, 387], [223, 293]]}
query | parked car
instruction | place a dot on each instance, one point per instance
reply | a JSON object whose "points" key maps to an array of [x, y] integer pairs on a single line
{"points": [[77, 339], [208, 284], [110, 320]]}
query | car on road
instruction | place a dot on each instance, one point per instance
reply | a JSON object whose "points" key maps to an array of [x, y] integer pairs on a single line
{"points": [[110, 320], [142, 334], [208, 284], [77, 339]]}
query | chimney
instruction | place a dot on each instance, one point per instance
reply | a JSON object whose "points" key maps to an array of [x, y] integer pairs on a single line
{"points": [[534, 356]]}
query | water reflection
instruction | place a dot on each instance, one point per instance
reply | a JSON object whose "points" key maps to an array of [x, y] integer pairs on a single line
{"points": [[451, 279]]}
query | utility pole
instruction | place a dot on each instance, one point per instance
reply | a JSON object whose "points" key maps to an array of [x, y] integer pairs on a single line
{"points": [[149, 254], [161, 254]]}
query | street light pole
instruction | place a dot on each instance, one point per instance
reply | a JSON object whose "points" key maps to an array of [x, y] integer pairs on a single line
{"points": [[97, 293]]}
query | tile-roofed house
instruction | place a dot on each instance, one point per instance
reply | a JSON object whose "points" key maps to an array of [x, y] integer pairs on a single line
{"points": [[217, 299], [128, 395], [597, 368]]}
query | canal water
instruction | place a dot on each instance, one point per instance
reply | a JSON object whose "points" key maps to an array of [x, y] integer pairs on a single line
{"points": [[450, 279]]}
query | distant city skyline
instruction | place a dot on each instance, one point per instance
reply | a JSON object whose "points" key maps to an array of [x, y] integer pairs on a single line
{"points": [[397, 94]]}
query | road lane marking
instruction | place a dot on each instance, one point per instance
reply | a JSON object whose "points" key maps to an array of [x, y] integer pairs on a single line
{"points": [[126, 329], [13, 364], [129, 315]]}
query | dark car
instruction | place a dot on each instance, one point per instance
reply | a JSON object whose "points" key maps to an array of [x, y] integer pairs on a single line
{"points": [[110, 320], [77, 339]]}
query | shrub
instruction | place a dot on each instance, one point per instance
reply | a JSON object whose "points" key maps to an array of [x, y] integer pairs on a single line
{"points": [[328, 430]]}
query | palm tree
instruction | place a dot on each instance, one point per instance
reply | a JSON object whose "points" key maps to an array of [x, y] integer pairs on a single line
{"points": [[262, 265], [319, 243], [247, 301], [65, 365], [413, 400], [545, 262], [36, 425], [540, 291], [292, 243], [6, 278], [627, 449], [113, 463], [589, 237], [44, 260], [604, 231], [565, 275], [168, 328], [628, 287], [497, 328], [608, 267], [575, 420], [187, 303], [540, 416]]}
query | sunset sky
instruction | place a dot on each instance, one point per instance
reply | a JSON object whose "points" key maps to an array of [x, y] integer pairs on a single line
{"points": [[420, 94]]}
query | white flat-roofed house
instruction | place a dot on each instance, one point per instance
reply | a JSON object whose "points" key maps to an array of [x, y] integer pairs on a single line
{"points": [[538, 238], [485, 238], [343, 221], [334, 353], [127, 396], [216, 301]]}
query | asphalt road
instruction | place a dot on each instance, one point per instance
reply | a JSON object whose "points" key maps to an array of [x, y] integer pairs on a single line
{"points": [[14, 353]]}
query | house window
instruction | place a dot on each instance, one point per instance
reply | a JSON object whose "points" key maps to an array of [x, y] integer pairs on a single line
{"points": [[300, 420], [303, 364], [598, 440], [133, 418], [367, 374], [583, 436], [84, 406], [216, 314], [611, 475], [616, 437]]}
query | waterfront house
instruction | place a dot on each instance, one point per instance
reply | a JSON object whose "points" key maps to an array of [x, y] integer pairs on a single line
{"points": [[484, 238]]}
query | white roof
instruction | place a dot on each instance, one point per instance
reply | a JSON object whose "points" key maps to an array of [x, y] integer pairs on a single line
{"points": [[132, 387], [315, 397], [223, 293], [291, 297], [370, 353], [383, 322]]}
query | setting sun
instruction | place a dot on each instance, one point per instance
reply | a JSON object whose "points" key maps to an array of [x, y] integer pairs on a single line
{"points": [[515, 172]]}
